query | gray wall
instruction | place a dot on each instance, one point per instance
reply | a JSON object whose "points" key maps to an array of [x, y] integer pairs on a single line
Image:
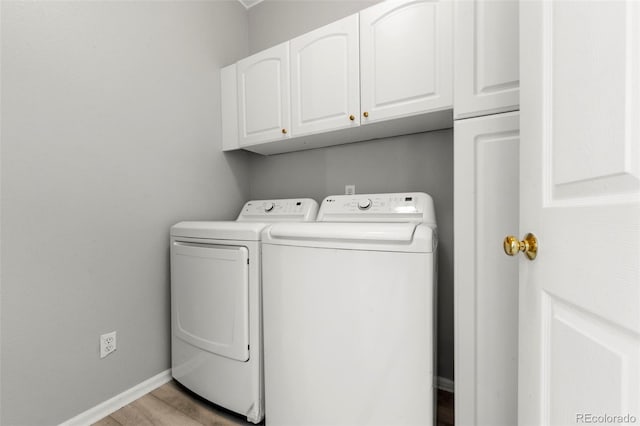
{"points": [[110, 133], [421, 162], [274, 21]]}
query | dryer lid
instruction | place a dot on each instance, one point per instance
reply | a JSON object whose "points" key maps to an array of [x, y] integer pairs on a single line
{"points": [[243, 231]]}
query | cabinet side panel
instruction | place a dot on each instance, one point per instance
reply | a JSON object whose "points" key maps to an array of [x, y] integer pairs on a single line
{"points": [[229, 107]]}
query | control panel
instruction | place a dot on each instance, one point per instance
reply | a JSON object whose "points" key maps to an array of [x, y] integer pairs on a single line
{"points": [[298, 209], [397, 207]]}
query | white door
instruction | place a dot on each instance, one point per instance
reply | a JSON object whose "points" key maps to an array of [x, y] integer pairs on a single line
{"points": [[263, 96], [579, 324], [405, 58], [325, 78]]}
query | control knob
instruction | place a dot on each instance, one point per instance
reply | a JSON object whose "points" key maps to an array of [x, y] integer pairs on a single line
{"points": [[364, 204], [268, 207]]}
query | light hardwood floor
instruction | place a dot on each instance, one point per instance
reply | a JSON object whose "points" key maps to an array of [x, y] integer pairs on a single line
{"points": [[173, 405]]}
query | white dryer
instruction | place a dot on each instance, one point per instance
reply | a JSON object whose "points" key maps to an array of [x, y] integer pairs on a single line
{"points": [[216, 331], [349, 313]]}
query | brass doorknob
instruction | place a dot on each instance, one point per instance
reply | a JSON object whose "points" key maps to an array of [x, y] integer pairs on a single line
{"points": [[529, 246], [366, 114], [352, 117], [284, 131]]}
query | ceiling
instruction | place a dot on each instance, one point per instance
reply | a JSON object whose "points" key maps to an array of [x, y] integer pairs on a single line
{"points": [[249, 3]]}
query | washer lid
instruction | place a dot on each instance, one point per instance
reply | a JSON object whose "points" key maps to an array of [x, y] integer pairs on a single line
{"points": [[407, 237], [243, 231]]}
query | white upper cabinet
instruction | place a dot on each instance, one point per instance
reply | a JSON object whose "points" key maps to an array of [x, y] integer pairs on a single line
{"points": [[263, 96], [386, 71], [405, 58], [325, 91], [486, 53]]}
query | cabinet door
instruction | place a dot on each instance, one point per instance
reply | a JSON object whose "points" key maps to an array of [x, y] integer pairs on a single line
{"points": [[405, 58], [263, 96], [486, 54], [486, 187], [325, 92]]}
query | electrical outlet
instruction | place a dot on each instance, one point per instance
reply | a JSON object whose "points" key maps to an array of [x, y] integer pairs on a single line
{"points": [[107, 344], [349, 189]]}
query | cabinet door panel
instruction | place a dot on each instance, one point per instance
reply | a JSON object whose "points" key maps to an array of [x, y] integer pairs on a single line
{"points": [[486, 53], [263, 91], [486, 188], [405, 54], [325, 78]]}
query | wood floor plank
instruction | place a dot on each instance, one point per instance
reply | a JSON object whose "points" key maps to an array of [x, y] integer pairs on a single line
{"points": [[445, 408], [162, 414], [129, 415], [173, 394], [150, 411], [107, 421]]}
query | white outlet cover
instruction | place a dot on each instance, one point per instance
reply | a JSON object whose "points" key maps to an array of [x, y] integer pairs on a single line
{"points": [[349, 189], [107, 344]]}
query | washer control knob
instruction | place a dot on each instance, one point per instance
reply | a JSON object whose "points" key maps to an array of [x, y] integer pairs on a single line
{"points": [[268, 207], [364, 204]]}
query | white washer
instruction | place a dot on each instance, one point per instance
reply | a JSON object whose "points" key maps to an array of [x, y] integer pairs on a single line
{"points": [[349, 314], [216, 330]]}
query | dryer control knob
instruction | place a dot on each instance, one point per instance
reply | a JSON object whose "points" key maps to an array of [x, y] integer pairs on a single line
{"points": [[268, 207], [364, 204]]}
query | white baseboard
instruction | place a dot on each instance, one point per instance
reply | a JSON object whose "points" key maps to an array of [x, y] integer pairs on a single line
{"points": [[444, 384], [109, 406]]}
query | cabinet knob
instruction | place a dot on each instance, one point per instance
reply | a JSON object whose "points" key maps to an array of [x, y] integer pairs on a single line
{"points": [[352, 117], [284, 131], [366, 114]]}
